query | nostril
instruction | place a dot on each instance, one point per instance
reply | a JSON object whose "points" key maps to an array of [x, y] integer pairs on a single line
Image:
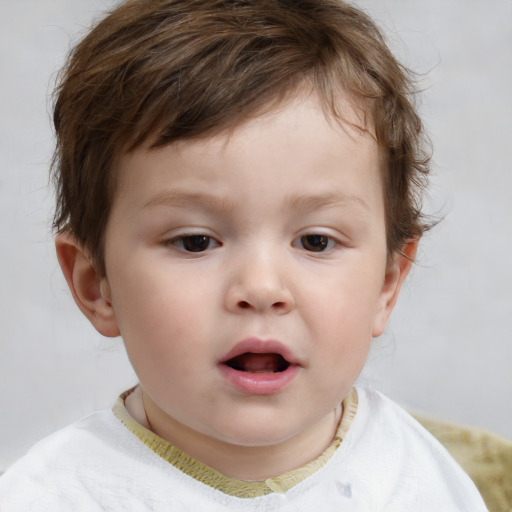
{"points": [[264, 306]]}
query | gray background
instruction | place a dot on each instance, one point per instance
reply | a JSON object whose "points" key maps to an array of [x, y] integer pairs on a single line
{"points": [[448, 350]]}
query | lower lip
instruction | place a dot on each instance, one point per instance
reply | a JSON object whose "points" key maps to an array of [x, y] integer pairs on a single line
{"points": [[259, 383]]}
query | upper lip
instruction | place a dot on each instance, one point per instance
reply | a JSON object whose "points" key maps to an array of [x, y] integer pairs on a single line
{"points": [[259, 346]]}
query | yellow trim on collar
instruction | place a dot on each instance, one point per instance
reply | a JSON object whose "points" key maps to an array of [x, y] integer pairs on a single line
{"points": [[238, 488]]}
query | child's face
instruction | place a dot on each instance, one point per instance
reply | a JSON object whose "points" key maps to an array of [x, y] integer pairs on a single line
{"points": [[247, 273]]}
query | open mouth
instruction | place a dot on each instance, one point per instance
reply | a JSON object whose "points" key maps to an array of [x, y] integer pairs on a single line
{"points": [[258, 363], [259, 367]]}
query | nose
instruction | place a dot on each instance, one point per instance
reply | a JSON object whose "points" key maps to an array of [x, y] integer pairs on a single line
{"points": [[259, 284]]}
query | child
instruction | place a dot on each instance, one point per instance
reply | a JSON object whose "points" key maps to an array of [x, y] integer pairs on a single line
{"points": [[239, 191]]}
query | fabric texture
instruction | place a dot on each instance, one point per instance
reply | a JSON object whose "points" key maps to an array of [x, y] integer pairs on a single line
{"points": [[213, 478], [486, 457], [385, 462]]}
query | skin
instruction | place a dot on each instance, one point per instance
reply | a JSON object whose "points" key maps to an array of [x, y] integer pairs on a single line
{"points": [[260, 194]]}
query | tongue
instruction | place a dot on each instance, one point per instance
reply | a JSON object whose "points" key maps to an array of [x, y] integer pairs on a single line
{"points": [[258, 363]]}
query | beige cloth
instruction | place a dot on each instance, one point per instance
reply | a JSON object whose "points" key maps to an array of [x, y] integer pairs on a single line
{"points": [[486, 458]]}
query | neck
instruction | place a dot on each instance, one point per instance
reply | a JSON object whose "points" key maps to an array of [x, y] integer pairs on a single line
{"points": [[249, 463]]}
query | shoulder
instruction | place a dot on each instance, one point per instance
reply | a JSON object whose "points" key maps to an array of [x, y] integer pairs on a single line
{"points": [[74, 468], [380, 416], [408, 466], [381, 421], [77, 441]]}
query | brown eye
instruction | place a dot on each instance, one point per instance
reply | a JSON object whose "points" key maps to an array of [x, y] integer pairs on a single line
{"points": [[315, 243], [195, 243]]}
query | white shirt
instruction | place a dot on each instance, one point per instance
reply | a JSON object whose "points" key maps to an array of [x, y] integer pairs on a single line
{"points": [[386, 462]]}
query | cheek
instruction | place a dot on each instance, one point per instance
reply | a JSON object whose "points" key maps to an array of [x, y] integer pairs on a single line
{"points": [[340, 316], [157, 317], [155, 294], [345, 305]]}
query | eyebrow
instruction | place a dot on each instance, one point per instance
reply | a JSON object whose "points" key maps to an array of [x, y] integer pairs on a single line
{"points": [[183, 199], [299, 203], [328, 200]]}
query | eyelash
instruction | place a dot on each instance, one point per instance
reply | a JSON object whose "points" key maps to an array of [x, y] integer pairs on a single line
{"points": [[181, 242], [312, 242], [315, 241]]}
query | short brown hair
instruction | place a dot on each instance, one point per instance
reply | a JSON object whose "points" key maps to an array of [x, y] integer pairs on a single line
{"points": [[164, 70]]}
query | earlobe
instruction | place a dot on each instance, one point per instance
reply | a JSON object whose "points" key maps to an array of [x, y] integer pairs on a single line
{"points": [[90, 290], [395, 276]]}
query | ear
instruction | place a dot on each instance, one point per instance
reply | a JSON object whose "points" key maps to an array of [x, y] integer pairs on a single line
{"points": [[397, 271], [90, 290]]}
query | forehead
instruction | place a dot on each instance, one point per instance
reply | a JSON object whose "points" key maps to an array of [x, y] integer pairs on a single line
{"points": [[299, 140], [338, 105]]}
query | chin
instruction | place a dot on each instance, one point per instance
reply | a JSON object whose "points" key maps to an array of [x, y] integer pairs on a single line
{"points": [[257, 433], [256, 441]]}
